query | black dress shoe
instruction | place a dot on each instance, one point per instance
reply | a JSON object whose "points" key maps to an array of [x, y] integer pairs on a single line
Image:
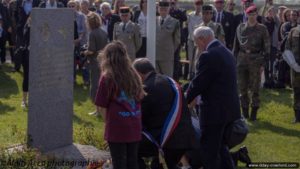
{"points": [[243, 155]]}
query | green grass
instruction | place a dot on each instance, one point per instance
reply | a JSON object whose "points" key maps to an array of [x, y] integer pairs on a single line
{"points": [[273, 138], [13, 119]]}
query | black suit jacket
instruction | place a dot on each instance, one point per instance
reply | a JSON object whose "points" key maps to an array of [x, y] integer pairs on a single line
{"points": [[216, 82], [227, 23], [155, 109], [21, 18], [114, 18], [6, 20]]}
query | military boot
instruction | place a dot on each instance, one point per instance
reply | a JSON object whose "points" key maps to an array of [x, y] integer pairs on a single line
{"points": [[297, 116], [253, 113], [245, 112]]}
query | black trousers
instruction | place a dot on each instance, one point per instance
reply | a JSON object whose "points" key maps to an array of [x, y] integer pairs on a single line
{"points": [[25, 65], [177, 69], [214, 154], [2, 49], [148, 149], [124, 155], [143, 50]]}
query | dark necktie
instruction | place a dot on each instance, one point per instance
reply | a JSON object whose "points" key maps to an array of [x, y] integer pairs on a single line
{"points": [[124, 26], [219, 17], [162, 22]]}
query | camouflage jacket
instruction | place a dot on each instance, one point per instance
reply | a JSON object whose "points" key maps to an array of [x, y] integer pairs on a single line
{"points": [[251, 43], [217, 28]]}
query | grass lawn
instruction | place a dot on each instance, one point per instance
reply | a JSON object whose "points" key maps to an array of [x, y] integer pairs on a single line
{"points": [[272, 138]]}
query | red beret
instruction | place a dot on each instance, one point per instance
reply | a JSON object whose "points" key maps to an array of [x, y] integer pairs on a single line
{"points": [[251, 9]]}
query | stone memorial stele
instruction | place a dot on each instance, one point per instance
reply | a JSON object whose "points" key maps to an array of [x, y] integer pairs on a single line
{"points": [[51, 79]]}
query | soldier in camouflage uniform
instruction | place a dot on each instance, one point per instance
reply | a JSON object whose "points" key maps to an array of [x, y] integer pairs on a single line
{"points": [[251, 47], [207, 14], [293, 44]]}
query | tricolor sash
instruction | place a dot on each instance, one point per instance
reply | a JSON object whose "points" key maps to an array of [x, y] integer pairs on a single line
{"points": [[171, 121]]}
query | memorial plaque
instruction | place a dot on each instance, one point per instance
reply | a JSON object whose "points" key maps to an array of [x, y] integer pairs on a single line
{"points": [[51, 79]]}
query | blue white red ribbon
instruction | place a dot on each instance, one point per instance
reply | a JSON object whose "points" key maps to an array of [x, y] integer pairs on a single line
{"points": [[172, 119], [174, 115]]}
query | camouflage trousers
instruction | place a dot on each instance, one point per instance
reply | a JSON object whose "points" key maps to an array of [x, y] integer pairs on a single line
{"points": [[249, 76], [295, 78]]}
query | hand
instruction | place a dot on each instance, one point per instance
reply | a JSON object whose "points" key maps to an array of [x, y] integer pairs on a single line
{"points": [[9, 30], [192, 104], [85, 53]]}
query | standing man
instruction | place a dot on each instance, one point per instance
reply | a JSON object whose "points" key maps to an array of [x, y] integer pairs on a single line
{"points": [[10, 5], [216, 82], [226, 20], [5, 26], [167, 39], [128, 32], [293, 44], [180, 15], [109, 19], [23, 10], [252, 48], [207, 14], [194, 19]]}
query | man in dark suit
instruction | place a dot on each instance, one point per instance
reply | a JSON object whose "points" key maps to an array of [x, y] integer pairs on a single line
{"points": [[226, 20], [5, 26], [156, 107], [22, 12], [180, 15], [108, 19], [216, 82]]}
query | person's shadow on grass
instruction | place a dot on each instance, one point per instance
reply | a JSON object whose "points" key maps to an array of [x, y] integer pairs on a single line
{"points": [[8, 87], [265, 125]]}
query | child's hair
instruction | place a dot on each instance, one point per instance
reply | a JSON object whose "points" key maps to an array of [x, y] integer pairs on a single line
{"points": [[117, 69]]}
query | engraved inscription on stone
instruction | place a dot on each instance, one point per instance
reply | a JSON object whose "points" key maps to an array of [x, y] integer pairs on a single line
{"points": [[51, 79]]}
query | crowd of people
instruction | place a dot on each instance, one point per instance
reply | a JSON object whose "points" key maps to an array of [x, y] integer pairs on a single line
{"points": [[146, 114]]}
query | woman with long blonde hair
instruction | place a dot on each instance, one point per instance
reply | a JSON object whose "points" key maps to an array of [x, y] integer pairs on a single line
{"points": [[119, 94]]}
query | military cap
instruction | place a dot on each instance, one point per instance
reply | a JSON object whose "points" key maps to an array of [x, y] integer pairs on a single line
{"points": [[251, 9], [164, 4], [207, 8], [124, 10]]}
